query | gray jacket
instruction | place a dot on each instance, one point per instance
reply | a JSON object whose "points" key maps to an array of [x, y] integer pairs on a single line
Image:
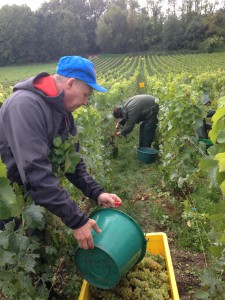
{"points": [[137, 109], [29, 122]]}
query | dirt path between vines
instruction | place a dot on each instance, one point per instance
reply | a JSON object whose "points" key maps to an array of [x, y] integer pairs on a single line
{"points": [[186, 264], [186, 268]]}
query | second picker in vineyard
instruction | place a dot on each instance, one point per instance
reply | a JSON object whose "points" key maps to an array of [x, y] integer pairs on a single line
{"points": [[138, 109]]}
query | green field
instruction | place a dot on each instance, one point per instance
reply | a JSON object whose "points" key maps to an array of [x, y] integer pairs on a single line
{"points": [[181, 193], [11, 74], [108, 66]]}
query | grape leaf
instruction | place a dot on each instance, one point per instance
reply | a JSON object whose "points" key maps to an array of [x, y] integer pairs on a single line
{"points": [[3, 170], [10, 206], [6, 257], [34, 216]]}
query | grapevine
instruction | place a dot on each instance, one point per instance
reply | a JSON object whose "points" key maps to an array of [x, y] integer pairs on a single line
{"points": [[179, 82], [147, 280]]}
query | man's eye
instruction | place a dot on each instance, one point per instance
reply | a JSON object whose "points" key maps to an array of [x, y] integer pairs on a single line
{"points": [[87, 96]]}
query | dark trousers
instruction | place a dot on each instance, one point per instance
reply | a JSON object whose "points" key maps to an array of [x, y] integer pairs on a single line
{"points": [[147, 130], [204, 130]]}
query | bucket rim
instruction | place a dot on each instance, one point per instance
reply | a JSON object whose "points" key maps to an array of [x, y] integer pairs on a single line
{"points": [[206, 141], [143, 234], [141, 150]]}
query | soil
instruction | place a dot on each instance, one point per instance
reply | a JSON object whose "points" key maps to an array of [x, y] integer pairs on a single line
{"points": [[186, 268], [187, 265]]}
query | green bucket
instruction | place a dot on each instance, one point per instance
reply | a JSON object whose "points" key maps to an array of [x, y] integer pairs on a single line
{"points": [[207, 142], [146, 155], [119, 246]]}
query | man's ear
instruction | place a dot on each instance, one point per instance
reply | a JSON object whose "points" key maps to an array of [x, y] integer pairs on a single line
{"points": [[70, 82]]}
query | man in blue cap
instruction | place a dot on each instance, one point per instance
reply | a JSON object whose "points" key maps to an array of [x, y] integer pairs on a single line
{"points": [[39, 109]]}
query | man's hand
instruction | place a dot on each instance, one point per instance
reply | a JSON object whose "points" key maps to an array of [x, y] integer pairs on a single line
{"points": [[118, 133], [117, 126], [83, 234], [109, 200]]}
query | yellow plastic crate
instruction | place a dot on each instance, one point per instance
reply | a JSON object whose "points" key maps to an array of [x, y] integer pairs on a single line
{"points": [[157, 244], [141, 84]]}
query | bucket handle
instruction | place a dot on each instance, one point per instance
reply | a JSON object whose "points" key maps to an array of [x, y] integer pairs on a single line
{"points": [[118, 204]]}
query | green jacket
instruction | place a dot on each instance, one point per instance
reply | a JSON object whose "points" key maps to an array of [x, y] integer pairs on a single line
{"points": [[135, 110]]}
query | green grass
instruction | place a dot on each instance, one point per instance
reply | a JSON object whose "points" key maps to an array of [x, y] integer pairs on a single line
{"points": [[11, 74], [137, 183], [153, 205]]}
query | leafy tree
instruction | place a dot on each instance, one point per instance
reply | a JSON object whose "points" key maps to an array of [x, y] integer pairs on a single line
{"points": [[111, 30], [216, 24], [155, 9], [104, 35], [213, 44], [173, 33], [41, 52], [187, 7], [210, 7], [144, 31], [194, 34], [121, 3], [95, 9], [172, 7], [79, 7], [63, 34], [89, 13], [133, 5], [132, 25], [64, 27], [16, 34], [49, 6]]}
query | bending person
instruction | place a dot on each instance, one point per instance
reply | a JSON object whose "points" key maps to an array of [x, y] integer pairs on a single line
{"points": [[138, 109]]}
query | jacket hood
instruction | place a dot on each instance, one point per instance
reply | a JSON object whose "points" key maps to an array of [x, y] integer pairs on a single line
{"points": [[28, 85]]}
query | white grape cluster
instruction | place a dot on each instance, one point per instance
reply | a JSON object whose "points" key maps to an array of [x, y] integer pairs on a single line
{"points": [[147, 280]]}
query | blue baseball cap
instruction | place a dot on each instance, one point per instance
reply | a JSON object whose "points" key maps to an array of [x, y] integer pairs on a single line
{"points": [[79, 68]]}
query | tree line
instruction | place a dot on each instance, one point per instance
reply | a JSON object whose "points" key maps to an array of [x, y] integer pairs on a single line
{"points": [[68, 27]]}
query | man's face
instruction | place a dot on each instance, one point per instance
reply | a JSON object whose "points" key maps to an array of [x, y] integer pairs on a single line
{"points": [[76, 94]]}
